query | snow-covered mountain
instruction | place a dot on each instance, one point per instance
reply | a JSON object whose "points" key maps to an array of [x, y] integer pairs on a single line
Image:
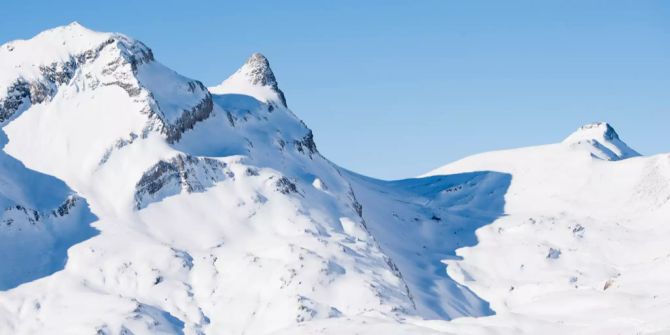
{"points": [[138, 201], [602, 141]]}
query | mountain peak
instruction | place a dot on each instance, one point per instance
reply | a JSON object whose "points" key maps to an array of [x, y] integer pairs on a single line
{"points": [[596, 130], [601, 140], [76, 25], [78, 29], [257, 68], [254, 78], [61, 45], [73, 32]]}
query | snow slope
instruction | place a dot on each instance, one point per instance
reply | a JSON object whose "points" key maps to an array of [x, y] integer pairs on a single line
{"points": [[166, 207], [602, 141], [582, 245], [208, 217], [421, 222]]}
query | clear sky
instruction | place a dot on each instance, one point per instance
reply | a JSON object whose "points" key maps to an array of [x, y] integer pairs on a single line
{"points": [[393, 89]]}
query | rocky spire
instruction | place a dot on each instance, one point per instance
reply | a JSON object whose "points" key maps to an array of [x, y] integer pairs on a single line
{"points": [[257, 70], [256, 79]]}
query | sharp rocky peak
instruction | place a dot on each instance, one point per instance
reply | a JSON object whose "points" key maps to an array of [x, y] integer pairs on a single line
{"points": [[258, 70], [255, 73]]}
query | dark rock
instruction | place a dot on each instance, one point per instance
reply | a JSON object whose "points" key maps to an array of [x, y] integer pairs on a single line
{"points": [[189, 118], [306, 144], [260, 73], [65, 208], [181, 173], [286, 186]]}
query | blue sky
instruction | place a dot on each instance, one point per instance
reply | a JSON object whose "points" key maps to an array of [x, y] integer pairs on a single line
{"points": [[393, 89]]}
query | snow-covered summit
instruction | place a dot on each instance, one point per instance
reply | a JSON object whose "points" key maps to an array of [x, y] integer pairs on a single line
{"points": [[254, 78], [70, 44], [109, 90], [594, 130], [591, 142], [601, 140]]}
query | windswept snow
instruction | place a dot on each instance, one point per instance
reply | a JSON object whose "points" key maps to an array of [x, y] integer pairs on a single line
{"points": [[138, 201]]}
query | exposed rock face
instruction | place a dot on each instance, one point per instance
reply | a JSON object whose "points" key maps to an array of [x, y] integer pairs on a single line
{"points": [[181, 173], [22, 93], [189, 118], [286, 186], [17, 95], [257, 68], [306, 144], [129, 53], [259, 71], [122, 59]]}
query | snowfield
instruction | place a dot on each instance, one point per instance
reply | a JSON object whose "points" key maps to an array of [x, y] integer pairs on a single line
{"points": [[137, 201]]}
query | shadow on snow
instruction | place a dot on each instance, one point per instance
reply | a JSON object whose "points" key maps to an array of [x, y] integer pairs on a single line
{"points": [[40, 218], [421, 222]]}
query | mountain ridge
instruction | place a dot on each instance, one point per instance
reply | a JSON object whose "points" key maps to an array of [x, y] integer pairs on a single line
{"points": [[194, 210]]}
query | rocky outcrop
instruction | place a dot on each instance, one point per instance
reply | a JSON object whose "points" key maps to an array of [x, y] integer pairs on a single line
{"points": [[286, 186], [18, 215], [122, 58], [22, 93], [257, 68], [17, 95], [183, 173], [306, 144], [189, 118]]}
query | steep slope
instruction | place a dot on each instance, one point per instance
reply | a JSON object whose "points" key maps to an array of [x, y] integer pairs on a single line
{"points": [[41, 216], [216, 212], [421, 222]]}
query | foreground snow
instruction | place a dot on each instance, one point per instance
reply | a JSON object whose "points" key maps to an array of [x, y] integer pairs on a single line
{"points": [[187, 210]]}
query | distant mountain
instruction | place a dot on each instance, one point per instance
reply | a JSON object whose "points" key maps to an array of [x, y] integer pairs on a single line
{"points": [[138, 201], [602, 141]]}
